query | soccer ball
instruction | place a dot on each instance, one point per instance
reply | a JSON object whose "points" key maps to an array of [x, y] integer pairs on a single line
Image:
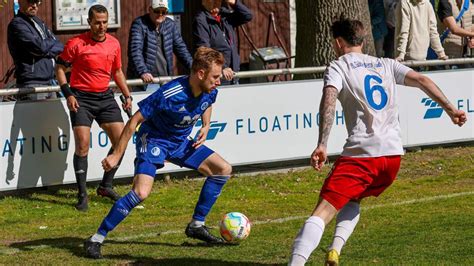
{"points": [[235, 227]]}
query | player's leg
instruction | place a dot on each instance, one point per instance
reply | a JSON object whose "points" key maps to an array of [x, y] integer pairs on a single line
{"points": [[105, 189], [347, 180], [218, 171], [346, 221], [82, 140], [142, 186], [311, 233]]}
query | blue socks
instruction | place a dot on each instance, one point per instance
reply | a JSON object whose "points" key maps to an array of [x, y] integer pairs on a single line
{"points": [[118, 212], [209, 193]]}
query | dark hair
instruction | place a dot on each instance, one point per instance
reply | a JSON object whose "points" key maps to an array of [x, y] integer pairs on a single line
{"points": [[352, 31], [204, 57], [97, 9]]}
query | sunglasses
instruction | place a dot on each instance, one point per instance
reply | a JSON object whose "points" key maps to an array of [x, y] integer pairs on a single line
{"points": [[32, 2], [160, 12]]}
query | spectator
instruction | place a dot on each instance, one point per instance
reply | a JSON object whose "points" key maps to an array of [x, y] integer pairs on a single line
{"points": [[460, 35], [379, 25], [94, 57], [33, 48], [389, 42], [214, 27], [416, 28], [153, 38]]}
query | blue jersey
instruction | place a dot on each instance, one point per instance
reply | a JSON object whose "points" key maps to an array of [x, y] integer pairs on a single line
{"points": [[172, 110]]}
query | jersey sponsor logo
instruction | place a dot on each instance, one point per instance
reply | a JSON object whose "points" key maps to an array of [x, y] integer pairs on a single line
{"points": [[204, 105], [182, 109], [155, 151], [187, 121], [434, 109]]}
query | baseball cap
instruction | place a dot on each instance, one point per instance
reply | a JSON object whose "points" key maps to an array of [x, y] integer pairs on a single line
{"points": [[159, 4]]}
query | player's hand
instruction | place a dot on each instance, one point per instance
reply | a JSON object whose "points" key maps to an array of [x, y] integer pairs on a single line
{"points": [[319, 157], [458, 117], [202, 136], [231, 2], [72, 104], [147, 77], [110, 162], [228, 73]]}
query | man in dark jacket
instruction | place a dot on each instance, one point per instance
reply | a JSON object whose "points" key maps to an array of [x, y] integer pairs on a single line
{"points": [[214, 27], [33, 48], [152, 40]]}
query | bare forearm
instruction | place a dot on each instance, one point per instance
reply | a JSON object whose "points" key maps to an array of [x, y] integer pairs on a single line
{"points": [[327, 110], [127, 133], [121, 81], [206, 117], [435, 93]]}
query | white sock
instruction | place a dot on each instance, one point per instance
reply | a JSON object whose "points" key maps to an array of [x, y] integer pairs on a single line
{"points": [[307, 240], [98, 238], [196, 223], [346, 221]]}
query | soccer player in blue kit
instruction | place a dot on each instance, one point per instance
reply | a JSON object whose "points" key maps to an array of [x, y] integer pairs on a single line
{"points": [[167, 118]]}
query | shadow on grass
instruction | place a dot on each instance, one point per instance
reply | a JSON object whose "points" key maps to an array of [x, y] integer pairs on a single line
{"points": [[137, 260], [75, 246], [55, 196]]}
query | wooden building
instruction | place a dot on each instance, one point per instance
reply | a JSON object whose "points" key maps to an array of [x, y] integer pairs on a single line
{"points": [[130, 9]]}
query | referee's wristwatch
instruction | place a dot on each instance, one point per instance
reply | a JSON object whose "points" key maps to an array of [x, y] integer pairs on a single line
{"points": [[128, 97]]}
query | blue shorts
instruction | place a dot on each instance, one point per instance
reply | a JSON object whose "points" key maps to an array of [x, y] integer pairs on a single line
{"points": [[151, 154]]}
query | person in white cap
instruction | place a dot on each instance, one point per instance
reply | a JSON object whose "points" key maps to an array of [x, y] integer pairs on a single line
{"points": [[152, 40]]}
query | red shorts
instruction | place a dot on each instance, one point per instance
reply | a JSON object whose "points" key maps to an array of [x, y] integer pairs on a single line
{"points": [[356, 178]]}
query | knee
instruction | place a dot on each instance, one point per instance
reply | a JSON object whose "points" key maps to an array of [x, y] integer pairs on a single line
{"points": [[142, 193], [82, 150], [223, 169]]}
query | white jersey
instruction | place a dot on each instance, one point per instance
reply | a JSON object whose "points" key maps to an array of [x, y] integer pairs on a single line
{"points": [[366, 86]]}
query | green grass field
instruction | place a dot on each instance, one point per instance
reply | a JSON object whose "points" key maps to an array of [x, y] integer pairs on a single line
{"points": [[425, 218]]}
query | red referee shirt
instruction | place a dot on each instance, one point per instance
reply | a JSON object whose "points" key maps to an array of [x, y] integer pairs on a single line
{"points": [[92, 62]]}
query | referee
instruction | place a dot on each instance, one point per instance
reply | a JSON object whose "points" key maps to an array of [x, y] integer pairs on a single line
{"points": [[93, 57]]}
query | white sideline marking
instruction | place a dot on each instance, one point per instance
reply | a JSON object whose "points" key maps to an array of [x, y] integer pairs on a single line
{"points": [[10, 251]]}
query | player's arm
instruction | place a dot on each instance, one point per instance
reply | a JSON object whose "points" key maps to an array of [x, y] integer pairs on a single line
{"points": [[327, 110], [415, 79], [206, 123], [121, 82], [112, 160]]}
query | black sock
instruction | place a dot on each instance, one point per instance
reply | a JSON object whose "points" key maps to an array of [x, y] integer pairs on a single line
{"points": [[80, 169], [109, 176]]}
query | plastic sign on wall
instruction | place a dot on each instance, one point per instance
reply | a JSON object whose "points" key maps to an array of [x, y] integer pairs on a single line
{"points": [[279, 122], [73, 14]]}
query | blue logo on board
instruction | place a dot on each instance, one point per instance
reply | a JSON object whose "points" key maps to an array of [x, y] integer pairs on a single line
{"points": [[214, 129], [434, 109]]}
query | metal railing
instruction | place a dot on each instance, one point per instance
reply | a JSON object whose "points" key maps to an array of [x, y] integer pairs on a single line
{"points": [[244, 74]]}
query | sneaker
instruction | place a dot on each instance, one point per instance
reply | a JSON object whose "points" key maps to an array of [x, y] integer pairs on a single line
{"points": [[92, 249], [82, 203], [332, 258], [202, 233], [108, 192]]}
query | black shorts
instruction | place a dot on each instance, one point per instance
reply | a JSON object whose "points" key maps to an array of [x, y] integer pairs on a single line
{"points": [[100, 106]]}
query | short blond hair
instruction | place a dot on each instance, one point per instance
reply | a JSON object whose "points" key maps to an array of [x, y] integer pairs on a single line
{"points": [[204, 57]]}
